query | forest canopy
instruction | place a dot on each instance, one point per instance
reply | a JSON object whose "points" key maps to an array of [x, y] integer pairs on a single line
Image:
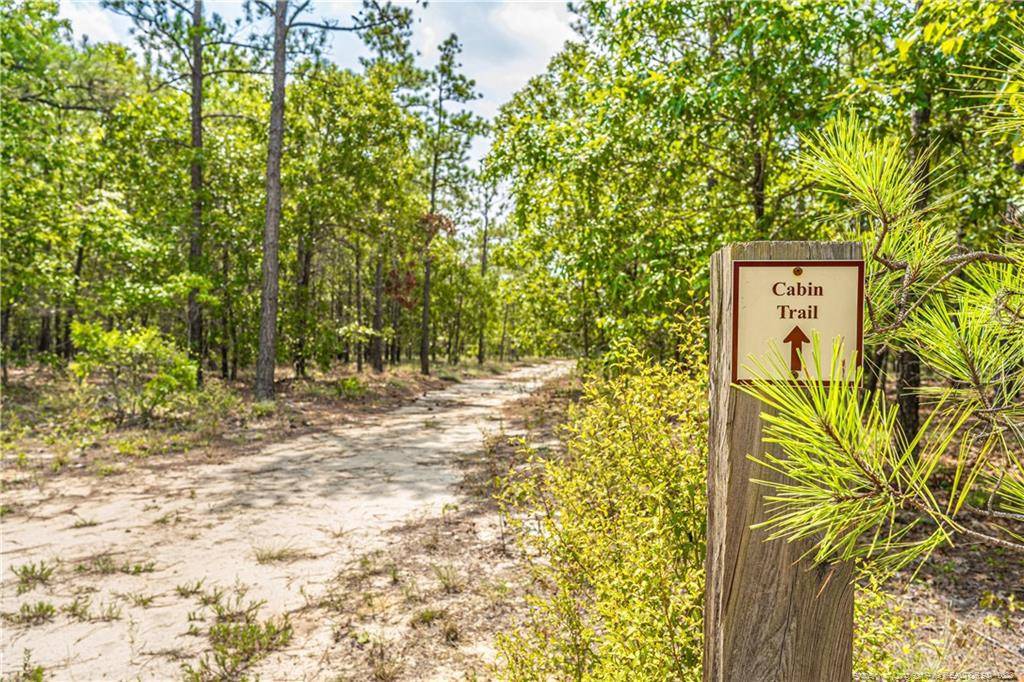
{"points": [[137, 180]]}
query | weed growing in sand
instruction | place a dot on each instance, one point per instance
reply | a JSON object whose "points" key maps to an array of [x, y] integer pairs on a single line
{"points": [[411, 591], [104, 469], [211, 597], [427, 617], [370, 564], [236, 609], [186, 590], [270, 555], [262, 409], [433, 541], [168, 518], [138, 599], [102, 564], [448, 577], [448, 511], [32, 574], [29, 672], [450, 633], [385, 665], [78, 609], [108, 612], [137, 568], [237, 643], [33, 614], [84, 523]]}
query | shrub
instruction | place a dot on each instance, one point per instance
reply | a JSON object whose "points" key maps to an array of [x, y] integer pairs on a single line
{"points": [[620, 522], [135, 372], [617, 526]]}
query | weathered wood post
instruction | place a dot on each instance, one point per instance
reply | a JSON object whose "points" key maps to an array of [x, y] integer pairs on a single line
{"points": [[768, 614]]}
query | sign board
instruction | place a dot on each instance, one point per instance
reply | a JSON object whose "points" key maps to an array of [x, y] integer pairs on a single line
{"points": [[780, 305]]}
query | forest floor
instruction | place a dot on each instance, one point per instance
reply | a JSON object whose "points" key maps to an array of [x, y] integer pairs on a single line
{"points": [[350, 534], [345, 546]]}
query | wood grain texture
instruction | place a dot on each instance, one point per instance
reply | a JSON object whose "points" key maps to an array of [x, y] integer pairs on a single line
{"points": [[768, 615]]}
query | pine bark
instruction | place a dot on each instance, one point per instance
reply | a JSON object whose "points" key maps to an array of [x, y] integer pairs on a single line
{"points": [[377, 342], [195, 238], [483, 278], [266, 360]]}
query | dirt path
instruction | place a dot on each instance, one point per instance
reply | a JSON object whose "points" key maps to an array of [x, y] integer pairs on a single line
{"points": [[136, 551]]}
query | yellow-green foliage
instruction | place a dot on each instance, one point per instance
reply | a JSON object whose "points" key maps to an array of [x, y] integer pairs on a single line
{"points": [[885, 646], [134, 372], [619, 522], [615, 530]]}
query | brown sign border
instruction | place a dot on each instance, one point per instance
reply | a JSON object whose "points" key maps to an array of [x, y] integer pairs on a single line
{"points": [[736, 265]]}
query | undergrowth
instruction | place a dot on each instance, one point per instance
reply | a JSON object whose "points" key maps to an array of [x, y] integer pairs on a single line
{"points": [[614, 531]]}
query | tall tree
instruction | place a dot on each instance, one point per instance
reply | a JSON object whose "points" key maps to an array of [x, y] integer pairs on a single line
{"points": [[384, 26], [450, 132], [177, 40], [488, 190], [267, 359]]}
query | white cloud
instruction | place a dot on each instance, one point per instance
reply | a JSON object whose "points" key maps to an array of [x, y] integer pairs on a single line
{"points": [[539, 27], [505, 42], [87, 18]]}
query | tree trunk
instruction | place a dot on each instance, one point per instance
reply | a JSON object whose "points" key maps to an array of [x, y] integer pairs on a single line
{"points": [[874, 370], [45, 337], [225, 314], [58, 348], [396, 346], [304, 265], [504, 334], [586, 323], [234, 344], [266, 361], [377, 342], [359, 307], [195, 237], [425, 320], [483, 281], [909, 364], [457, 340], [5, 340], [757, 184], [346, 319]]}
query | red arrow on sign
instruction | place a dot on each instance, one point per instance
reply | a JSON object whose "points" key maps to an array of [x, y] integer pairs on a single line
{"points": [[797, 338]]}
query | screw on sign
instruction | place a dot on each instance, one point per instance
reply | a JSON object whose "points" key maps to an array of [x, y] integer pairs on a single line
{"points": [[770, 613]]}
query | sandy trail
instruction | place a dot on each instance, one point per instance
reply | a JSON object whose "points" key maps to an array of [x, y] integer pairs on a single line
{"points": [[328, 496]]}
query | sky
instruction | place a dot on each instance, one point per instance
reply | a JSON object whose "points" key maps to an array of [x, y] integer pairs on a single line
{"points": [[505, 42]]}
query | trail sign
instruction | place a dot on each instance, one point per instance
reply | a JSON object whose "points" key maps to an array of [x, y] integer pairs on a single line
{"points": [[784, 303], [770, 612]]}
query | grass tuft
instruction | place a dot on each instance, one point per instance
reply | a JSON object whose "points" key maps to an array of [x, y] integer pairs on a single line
{"points": [[427, 617], [33, 614], [271, 555], [32, 574]]}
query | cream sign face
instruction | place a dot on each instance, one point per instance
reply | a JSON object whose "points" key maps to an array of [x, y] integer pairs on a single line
{"points": [[781, 304]]}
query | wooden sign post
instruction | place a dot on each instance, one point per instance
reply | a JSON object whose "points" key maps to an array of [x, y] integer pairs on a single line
{"points": [[769, 615]]}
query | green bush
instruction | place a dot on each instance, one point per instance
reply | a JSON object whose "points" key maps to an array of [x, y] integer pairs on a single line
{"points": [[135, 373], [620, 523], [616, 532]]}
